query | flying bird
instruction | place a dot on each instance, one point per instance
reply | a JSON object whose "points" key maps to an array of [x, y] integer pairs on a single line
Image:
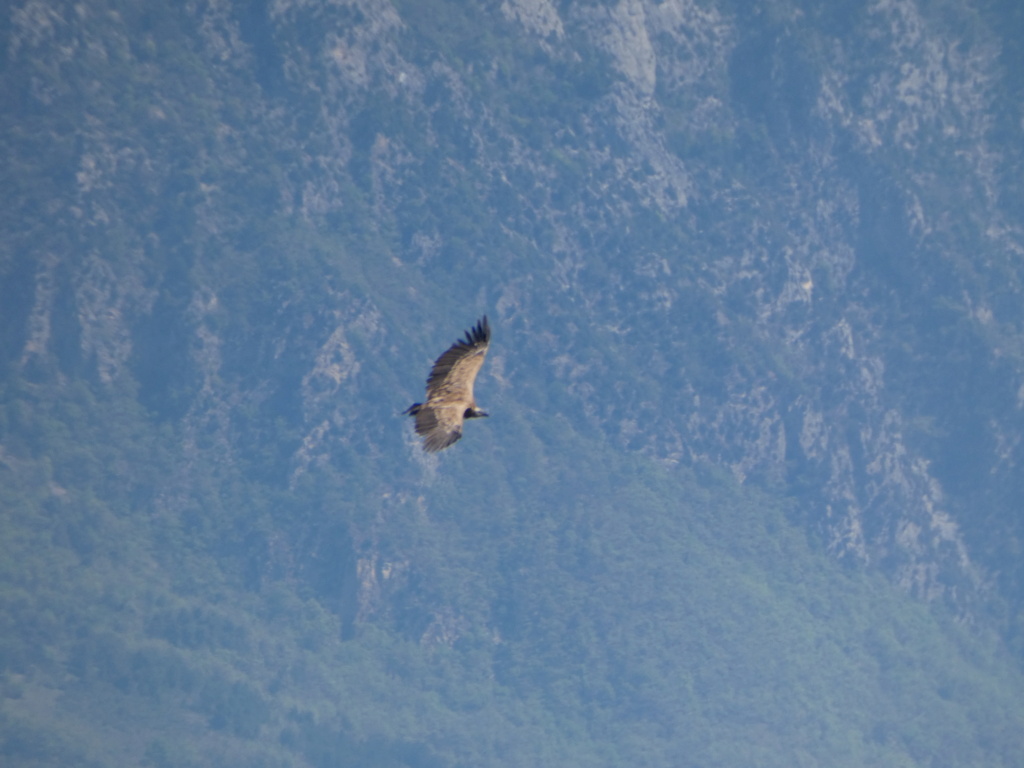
{"points": [[450, 390]]}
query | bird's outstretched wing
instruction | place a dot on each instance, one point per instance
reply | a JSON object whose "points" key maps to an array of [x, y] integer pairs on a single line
{"points": [[440, 426], [451, 379]]}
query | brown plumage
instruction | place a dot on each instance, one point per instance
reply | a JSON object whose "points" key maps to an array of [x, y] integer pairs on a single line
{"points": [[450, 390]]}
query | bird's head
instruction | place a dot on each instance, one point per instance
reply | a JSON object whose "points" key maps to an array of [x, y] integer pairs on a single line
{"points": [[475, 413]]}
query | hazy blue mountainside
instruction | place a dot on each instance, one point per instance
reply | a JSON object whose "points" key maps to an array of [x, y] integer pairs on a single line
{"points": [[750, 490]]}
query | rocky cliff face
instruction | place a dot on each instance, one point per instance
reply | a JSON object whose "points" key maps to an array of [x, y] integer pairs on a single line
{"points": [[782, 240]]}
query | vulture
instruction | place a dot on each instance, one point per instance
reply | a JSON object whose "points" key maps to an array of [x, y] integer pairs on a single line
{"points": [[450, 390]]}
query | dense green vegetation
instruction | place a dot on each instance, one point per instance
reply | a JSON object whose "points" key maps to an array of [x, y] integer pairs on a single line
{"points": [[588, 609]]}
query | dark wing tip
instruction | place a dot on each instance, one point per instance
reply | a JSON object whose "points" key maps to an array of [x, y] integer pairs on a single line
{"points": [[439, 440], [479, 333]]}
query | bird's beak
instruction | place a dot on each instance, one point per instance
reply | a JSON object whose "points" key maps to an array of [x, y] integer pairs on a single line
{"points": [[483, 413]]}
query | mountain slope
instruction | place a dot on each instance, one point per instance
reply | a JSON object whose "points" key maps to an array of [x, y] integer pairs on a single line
{"points": [[755, 384], [607, 612]]}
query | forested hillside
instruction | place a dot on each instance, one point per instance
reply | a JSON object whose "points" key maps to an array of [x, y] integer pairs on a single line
{"points": [[749, 492]]}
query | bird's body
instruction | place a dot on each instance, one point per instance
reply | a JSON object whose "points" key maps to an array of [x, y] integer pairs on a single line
{"points": [[450, 390]]}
